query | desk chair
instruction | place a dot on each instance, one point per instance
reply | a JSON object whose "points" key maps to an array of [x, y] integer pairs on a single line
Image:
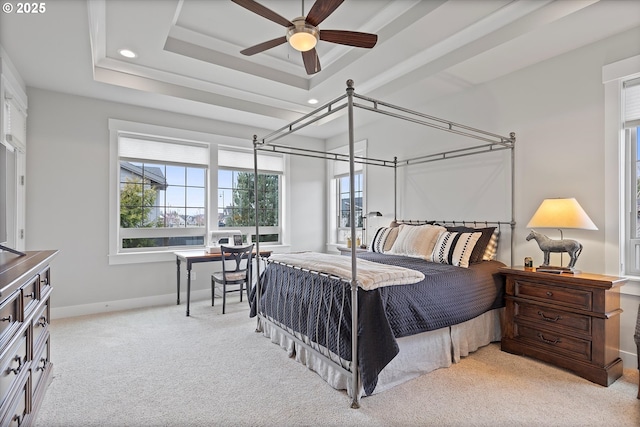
{"points": [[233, 277]]}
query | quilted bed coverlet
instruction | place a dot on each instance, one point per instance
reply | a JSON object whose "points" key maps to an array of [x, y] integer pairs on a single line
{"points": [[318, 308]]}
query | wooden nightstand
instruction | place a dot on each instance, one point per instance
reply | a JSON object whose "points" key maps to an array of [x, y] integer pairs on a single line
{"points": [[571, 321]]}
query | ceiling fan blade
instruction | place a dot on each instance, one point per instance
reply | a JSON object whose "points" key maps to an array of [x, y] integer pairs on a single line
{"points": [[320, 10], [264, 46], [259, 9], [311, 61], [349, 38]]}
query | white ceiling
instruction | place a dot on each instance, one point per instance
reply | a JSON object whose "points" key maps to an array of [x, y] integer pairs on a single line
{"points": [[189, 61]]}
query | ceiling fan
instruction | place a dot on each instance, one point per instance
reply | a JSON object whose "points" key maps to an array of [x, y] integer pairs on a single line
{"points": [[303, 33]]}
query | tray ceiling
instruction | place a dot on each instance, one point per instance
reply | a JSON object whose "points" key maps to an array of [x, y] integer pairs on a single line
{"points": [[188, 51]]}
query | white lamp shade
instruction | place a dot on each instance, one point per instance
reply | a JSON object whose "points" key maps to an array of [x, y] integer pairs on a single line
{"points": [[561, 213]]}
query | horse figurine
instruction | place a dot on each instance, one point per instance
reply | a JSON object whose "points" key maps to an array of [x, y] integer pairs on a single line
{"points": [[548, 245]]}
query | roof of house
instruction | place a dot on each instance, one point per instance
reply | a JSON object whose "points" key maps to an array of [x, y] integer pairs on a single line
{"points": [[152, 173]]}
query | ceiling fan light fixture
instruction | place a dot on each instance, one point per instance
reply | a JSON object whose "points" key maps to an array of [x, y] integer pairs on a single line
{"points": [[302, 37]]}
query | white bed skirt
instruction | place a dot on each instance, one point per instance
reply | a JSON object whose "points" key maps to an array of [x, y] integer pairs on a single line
{"points": [[418, 354]]}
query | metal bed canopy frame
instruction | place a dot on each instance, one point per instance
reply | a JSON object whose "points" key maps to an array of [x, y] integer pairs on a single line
{"points": [[491, 142]]}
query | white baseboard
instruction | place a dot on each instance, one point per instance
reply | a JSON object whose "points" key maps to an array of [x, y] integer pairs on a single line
{"points": [[127, 304], [629, 360]]}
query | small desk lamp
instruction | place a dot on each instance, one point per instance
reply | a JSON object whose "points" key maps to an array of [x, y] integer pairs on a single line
{"points": [[364, 228], [559, 213]]}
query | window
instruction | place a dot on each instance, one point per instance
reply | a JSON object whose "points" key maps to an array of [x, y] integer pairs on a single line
{"points": [[339, 201], [160, 191], [236, 197], [631, 115], [161, 197], [12, 167], [344, 204]]}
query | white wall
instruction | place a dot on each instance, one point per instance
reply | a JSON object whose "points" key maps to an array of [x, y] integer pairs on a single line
{"points": [[556, 109], [67, 203]]}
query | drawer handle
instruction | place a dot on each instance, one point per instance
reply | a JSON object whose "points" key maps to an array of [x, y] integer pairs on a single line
{"points": [[549, 319], [19, 368], [42, 321], [549, 293], [8, 318], [44, 365], [18, 419], [543, 339], [31, 295]]}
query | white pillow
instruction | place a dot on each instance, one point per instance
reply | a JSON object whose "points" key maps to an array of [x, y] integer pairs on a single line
{"points": [[383, 240], [492, 246], [455, 248], [416, 240]]}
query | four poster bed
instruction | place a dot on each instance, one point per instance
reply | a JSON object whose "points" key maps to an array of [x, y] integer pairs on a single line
{"points": [[425, 294]]}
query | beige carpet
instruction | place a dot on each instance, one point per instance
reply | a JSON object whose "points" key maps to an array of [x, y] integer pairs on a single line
{"points": [[156, 367]]}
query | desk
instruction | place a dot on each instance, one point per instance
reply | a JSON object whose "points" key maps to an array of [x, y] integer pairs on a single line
{"points": [[193, 257]]}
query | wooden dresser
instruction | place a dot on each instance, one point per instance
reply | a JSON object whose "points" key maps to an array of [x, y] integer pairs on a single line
{"points": [[571, 321], [25, 368]]}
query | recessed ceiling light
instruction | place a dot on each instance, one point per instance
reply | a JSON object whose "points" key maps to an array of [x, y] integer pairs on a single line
{"points": [[312, 101], [127, 53]]}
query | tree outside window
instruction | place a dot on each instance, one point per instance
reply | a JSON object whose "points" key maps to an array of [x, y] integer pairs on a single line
{"points": [[236, 204], [160, 196]]}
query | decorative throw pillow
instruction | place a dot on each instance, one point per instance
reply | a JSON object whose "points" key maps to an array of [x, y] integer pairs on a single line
{"points": [[416, 240], [455, 248], [479, 250], [492, 247], [383, 239]]}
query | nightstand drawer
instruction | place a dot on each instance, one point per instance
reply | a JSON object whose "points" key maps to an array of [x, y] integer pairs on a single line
{"points": [[552, 317], [575, 298], [577, 348]]}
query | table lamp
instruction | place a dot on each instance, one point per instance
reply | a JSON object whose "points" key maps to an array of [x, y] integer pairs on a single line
{"points": [[559, 213], [364, 228]]}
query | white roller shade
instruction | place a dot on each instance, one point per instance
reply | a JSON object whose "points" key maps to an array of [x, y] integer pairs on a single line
{"points": [[632, 103], [15, 122], [237, 159], [164, 151]]}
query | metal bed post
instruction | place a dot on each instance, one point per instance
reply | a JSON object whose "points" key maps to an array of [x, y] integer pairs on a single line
{"points": [[395, 188], [513, 192], [355, 386], [257, 242]]}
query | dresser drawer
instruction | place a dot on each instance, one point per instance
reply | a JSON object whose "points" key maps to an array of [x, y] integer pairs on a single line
{"points": [[41, 322], [45, 283], [13, 363], [552, 317], [40, 363], [10, 315], [577, 348], [19, 407], [30, 295], [575, 298]]}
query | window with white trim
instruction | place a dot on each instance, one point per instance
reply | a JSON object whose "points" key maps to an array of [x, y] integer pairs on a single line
{"points": [[160, 185], [344, 204], [339, 194], [631, 124], [236, 196]]}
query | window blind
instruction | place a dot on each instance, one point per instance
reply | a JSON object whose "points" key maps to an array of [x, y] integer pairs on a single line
{"points": [[341, 168], [163, 151], [15, 122], [240, 159], [631, 103]]}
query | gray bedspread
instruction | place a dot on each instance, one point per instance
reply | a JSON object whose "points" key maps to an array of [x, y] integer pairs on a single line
{"points": [[319, 307]]}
